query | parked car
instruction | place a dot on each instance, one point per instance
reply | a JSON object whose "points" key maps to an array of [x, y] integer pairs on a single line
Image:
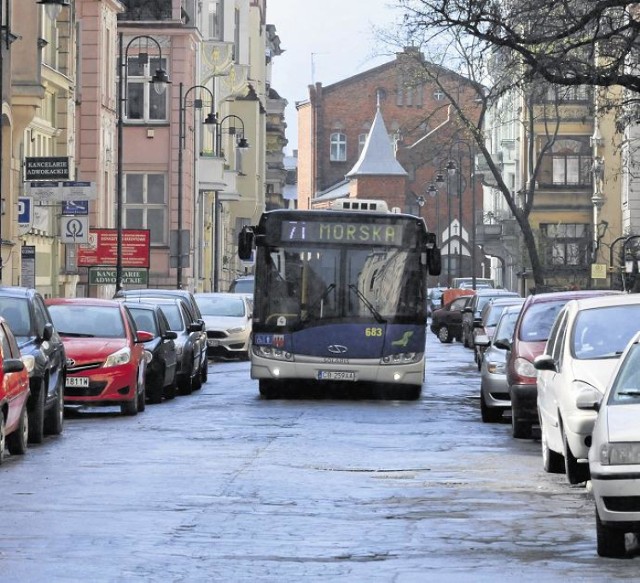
{"points": [[614, 456], [242, 285], [488, 320], [26, 314], [194, 311], [105, 355], [446, 323], [529, 339], [585, 343], [471, 313], [187, 341], [14, 394], [494, 389], [227, 318], [434, 299], [161, 371]]}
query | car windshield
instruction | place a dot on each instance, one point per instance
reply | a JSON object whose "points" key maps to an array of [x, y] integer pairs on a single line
{"points": [[144, 320], [604, 332], [16, 312], [626, 386], [172, 313], [242, 286], [506, 325], [231, 306], [538, 319], [87, 321], [493, 314]]}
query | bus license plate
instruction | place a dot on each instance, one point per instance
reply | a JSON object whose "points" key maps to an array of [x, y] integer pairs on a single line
{"points": [[336, 375], [77, 382]]}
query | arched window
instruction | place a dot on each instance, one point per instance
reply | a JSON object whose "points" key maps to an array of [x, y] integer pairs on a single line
{"points": [[338, 148]]}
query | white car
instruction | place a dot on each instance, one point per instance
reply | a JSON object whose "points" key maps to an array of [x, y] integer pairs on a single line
{"points": [[584, 345], [227, 318], [614, 457]]}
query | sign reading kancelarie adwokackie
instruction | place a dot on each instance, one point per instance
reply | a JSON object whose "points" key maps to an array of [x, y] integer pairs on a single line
{"points": [[47, 168], [103, 245]]}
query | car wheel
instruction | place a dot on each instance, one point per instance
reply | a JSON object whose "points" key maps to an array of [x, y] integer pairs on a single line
{"points": [[576, 472], [54, 421], [204, 372], [443, 335], [610, 541], [519, 429], [185, 387], [17, 441], [171, 390], [142, 398], [479, 359], [269, 389], [36, 414], [552, 461], [489, 414], [154, 389], [3, 437], [129, 408]]}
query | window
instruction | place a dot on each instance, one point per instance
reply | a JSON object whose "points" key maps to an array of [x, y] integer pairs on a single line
{"points": [[571, 93], [568, 163], [565, 244], [145, 205], [216, 19], [362, 138], [438, 95], [338, 149], [143, 102]]}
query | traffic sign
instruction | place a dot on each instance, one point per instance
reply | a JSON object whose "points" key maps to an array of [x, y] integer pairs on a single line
{"points": [[74, 229], [75, 207], [68, 190]]}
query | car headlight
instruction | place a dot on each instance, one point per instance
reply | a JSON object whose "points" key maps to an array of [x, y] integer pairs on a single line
{"points": [[272, 353], [402, 358], [524, 368], [236, 330], [496, 367], [29, 363], [148, 357], [122, 356], [618, 454]]}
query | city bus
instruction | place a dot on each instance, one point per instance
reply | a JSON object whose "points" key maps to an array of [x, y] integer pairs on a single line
{"points": [[339, 299]]}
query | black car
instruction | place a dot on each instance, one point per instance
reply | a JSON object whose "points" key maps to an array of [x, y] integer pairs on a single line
{"points": [[446, 323], [161, 371], [187, 332], [29, 320], [192, 307], [472, 312]]}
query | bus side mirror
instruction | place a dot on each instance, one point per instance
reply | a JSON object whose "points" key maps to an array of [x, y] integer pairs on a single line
{"points": [[434, 261], [245, 244]]}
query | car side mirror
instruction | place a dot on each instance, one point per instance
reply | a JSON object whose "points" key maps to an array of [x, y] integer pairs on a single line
{"points": [[245, 243], [195, 327], [588, 400], [170, 335], [477, 322], [481, 340], [502, 343], [12, 365], [144, 336], [467, 310], [47, 331], [544, 362]]}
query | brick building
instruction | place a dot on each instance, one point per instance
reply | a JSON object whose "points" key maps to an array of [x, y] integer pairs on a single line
{"points": [[333, 125]]}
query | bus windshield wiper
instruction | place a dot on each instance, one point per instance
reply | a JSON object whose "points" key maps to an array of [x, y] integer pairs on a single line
{"points": [[321, 299], [367, 303]]}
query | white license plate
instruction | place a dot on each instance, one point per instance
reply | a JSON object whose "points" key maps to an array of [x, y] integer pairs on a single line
{"points": [[77, 382], [213, 342], [336, 375]]}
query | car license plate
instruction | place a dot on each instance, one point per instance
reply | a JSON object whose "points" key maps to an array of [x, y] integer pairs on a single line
{"points": [[77, 382], [213, 342], [336, 375]]}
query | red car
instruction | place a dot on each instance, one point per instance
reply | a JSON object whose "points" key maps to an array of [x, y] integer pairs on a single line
{"points": [[106, 359], [14, 392]]}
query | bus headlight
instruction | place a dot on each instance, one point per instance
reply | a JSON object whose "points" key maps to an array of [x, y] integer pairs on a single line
{"points": [[402, 358], [272, 353]]}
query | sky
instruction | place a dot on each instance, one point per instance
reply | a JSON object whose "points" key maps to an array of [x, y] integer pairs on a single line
{"points": [[324, 41]]}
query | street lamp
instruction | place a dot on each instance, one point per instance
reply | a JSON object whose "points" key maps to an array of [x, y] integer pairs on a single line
{"points": [[53, 8], [432, 191], [159, 82], [209, 120], [451, 170], [241, 142]]}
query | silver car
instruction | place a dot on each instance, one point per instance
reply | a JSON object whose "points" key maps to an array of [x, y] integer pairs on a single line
{"points": [[227, 318], [494, 389], [614, 456]]}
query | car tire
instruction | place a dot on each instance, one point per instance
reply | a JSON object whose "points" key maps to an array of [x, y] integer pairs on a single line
{"points": [[36, 414], [185, 386], [478, 360], [610, 542], [552, 461], [130, 407], [154, 389], [489, 414], [171, 390], [520, 429], [54, 420], [3, 437], [142, 398], [444, 335], [204, 371], [576, 472], [269, 389], [17, 441]]}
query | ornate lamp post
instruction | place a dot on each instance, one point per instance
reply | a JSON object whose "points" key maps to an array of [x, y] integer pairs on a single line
{"points": [[451, 170], [159, 82], [209, 120]]}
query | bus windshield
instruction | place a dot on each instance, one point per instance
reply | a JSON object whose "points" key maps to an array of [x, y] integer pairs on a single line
{"points": [[321, 283]]}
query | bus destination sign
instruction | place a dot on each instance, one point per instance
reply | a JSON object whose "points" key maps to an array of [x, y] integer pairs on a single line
{"points": [[342, 232]]}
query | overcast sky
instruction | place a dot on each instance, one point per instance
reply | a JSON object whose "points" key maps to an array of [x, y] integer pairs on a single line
{"points": [[324, 41]]}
